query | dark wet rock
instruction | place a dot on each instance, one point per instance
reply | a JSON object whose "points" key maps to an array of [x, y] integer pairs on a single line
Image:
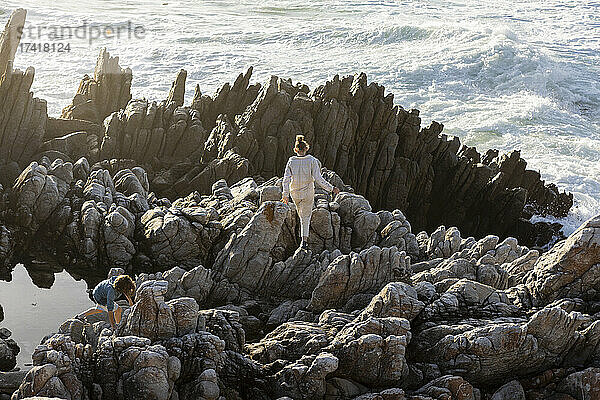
{"points": [[8, 349], [512, 390]]}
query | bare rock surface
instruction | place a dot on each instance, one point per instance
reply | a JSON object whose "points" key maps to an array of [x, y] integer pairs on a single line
{"points": [[98, 96], [570, 269]]}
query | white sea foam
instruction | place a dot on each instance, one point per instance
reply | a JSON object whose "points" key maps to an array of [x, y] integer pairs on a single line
{"points": [[499, 74]]}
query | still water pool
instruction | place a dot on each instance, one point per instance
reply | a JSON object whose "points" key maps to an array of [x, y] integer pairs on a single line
{"points": [[32, 310]]}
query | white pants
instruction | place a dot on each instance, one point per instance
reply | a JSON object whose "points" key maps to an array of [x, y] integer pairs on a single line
{"points": [[304, 201]]}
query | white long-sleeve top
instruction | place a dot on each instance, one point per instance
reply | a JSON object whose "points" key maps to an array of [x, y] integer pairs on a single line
{"points": [[300, 174]]}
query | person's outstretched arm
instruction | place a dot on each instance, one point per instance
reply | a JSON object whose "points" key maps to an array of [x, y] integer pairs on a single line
{"points": [[287, 179], [316, 173]]}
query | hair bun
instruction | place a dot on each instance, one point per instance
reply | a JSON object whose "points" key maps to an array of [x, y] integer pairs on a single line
{"points": [[301, 143]]}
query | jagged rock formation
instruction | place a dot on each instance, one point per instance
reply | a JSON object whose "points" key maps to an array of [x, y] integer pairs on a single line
{"points": [[22, 117], [186, 198], [108, 91], [442, 335], [378, 148], [8, 348], [10, 37]]}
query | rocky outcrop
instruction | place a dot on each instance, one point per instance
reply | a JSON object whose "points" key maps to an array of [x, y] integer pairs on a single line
{"points": [[444, 337], [498, 350], [22, 117], [107, 91], [10, 37], [8, 348], [570, 269], [186, 200]]}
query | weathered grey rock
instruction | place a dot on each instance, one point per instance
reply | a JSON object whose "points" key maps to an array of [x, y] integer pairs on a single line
{"points": [[290, 341], [581, 385], [469, 299], [74, 144], [119, 227], [40, 188], [500, 265], [11, 37], [570, 269], [305, 379], [510, 391], [22, 117], [8, 350], [387, 394], [500, 350], [179, 235], [54, 374], [450, 387], [226, 325], [150, 317], [372, 351], [145, 131], [246, 256], [344, 388], [396, 299], [365, 272], [108, 91], [396, 231], [130, 367], [10, 381]]}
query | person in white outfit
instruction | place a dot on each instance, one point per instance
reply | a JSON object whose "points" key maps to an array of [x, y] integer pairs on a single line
{"points": [[301, 173]]}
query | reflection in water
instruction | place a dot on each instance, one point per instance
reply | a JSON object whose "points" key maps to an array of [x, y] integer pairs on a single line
{"points": [[36, 303]]}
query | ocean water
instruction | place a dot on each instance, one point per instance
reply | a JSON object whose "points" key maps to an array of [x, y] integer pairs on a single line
{"points": [[498, 74]]}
